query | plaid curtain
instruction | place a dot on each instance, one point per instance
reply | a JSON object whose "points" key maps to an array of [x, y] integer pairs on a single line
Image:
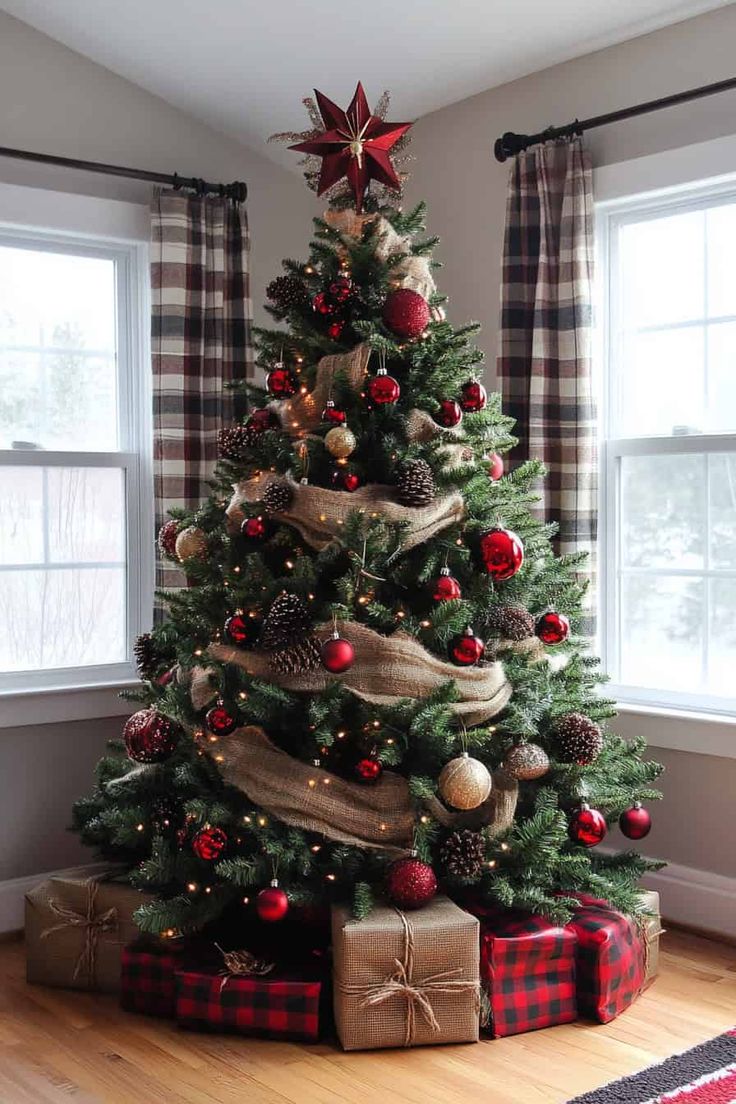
{"points": [[544, 362], [200, 341]]}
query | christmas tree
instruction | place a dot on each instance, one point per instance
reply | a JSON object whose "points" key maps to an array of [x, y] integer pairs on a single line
{"points": [[374, 681]]}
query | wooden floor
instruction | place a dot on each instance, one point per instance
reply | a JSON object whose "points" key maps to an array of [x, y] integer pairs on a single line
{"points": [[75, 1048]]}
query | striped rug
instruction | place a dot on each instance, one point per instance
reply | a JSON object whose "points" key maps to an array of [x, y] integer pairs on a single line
{"points": [[704, 1075]]}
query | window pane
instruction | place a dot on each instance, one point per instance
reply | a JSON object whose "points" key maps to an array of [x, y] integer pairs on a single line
{"points": [[21, 510], [662, 270], [663, 511], [86, 514], [662, 632], [721, 225], [722, 638], [58, 350], [662, 383], [73, 617], [722, 489], [722, 376]]}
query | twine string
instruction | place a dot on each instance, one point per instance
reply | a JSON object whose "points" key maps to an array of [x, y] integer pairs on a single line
{"points": [[93, 925]]}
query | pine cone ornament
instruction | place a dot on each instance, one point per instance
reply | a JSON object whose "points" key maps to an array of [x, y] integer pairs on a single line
{"points": [[578, 738], [146, 660], [286, 292], [234, 441], [510, 623], [278, 495], [462, 855], [415, 483], [287, 634]]}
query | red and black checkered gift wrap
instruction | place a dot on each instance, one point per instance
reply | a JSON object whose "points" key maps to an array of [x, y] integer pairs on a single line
{"points": [[527, 969], [283, 1007], [610, 961], [147, 978]]}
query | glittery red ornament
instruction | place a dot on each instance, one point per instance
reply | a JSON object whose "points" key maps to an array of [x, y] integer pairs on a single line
{"points": [[256, 529], [587, 826], [150, 736], [323, 304], [368, 769], [243, 629], [410, 883], [449, 414], [334, 330], [209, 843], [272, 904], [502, 553], [552, 628], [340, 290], [220, 721], [167, 535], [337, 654], [345, 480], [262, 419], [495, 466], [466, 649], [635, 823], [281, 382], [406, 312], [354, 145], [333, 414], [473, 396], [445, 588], [382, 389]]}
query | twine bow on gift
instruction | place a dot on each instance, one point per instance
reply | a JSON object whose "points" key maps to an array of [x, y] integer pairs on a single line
{"points": [[93, 924], [415, 992], [242, 964]]}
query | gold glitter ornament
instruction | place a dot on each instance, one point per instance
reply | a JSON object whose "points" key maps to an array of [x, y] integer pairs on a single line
{"points": [[525, 762], [464, 783], [340, 441], [191, 543]]}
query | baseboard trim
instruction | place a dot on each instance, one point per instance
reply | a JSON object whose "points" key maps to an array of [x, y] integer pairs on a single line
{"points": [[697, 899], [13, 891]]}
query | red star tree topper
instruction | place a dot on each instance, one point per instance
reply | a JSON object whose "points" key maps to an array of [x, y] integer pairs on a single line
{"points": [[354, 145]]}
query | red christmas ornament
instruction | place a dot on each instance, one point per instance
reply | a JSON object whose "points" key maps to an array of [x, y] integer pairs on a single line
{"points": [[552, 628], [345, 480], [587, 826], [272, 904], [281, 382], [150, 736], [167, 535], [334, 330], [323, 304], [368, 769], [467, 649], [166, 677], [262, 419], [495, 470], [337, 654], [382, 389], [449, 414], [355, 145], [406, 312], [502, 553], [473, 396], [340, 290], [256, 529], [209, 843], [243, 629], [220, 721], [410, 883], [332, 414], [635, 823], [446, 588]]}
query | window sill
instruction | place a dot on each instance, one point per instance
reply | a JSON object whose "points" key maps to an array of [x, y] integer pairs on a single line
{"points": [[69, 703], [698, 733]]}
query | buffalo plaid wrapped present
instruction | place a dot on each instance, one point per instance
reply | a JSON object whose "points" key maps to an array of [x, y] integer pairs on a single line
{"points": [[527, 969], [147, 983], [610, 960], [278, 1005]]}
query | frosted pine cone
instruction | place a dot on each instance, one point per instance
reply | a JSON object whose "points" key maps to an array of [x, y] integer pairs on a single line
{"points": [[415, 483], [510, 623], [462, 854], [578, 738], [278, 496]]}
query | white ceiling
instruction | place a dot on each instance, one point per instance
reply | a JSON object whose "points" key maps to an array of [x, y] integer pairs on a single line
{"points": [[243, 66]]}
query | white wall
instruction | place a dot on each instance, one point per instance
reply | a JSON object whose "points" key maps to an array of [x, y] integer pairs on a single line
{"points": [[465, 187]]}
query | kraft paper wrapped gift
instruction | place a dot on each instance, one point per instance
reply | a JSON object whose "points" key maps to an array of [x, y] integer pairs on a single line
{"points": [[651, 925], [406, 978], [76, 928]]}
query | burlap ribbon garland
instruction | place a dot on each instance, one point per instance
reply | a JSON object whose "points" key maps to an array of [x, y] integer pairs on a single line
{"points": [[386, 670], [415, 992], [93, 925]]}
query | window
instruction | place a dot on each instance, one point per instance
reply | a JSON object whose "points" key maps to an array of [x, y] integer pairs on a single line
{"points": [[75, 484], [668, 534]]}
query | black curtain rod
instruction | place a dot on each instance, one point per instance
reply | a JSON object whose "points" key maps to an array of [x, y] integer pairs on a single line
{"points": [[510, 144], [236, 191]]}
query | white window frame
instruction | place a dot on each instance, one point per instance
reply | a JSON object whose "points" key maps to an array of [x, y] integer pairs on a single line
{"points": [[678, 180], [88, 226]]}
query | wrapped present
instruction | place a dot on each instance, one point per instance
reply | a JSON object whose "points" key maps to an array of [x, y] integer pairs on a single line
{"points": [[650, 924], [610, 967], [147, 983], [406, 980], [527, 970], [250, 997], [76, 927]]}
